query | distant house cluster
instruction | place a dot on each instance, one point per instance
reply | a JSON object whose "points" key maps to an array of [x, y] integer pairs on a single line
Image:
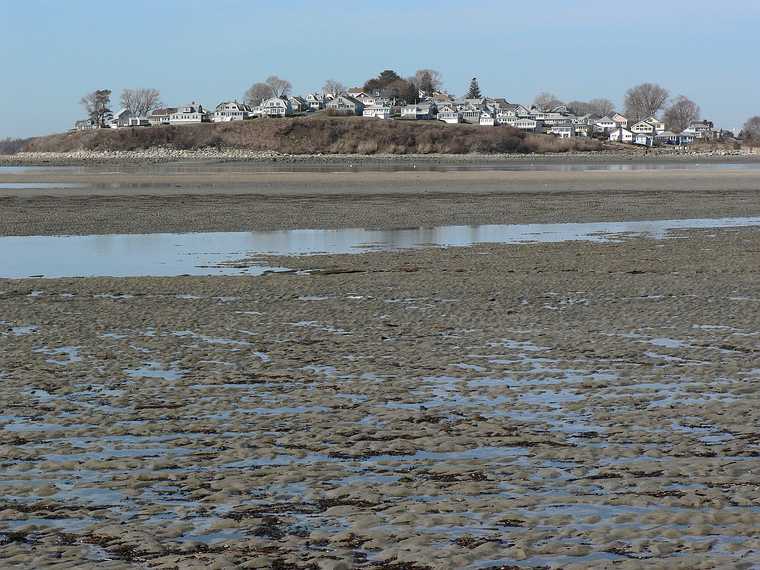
{"points": [[485, 111]]}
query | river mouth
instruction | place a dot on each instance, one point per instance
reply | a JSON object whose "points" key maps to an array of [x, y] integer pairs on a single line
{"points": [[236, 253]]}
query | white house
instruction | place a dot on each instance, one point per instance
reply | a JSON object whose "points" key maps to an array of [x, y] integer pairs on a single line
{"points": [[529, 125], [643, 139], [562, 131], [228, 111], [621, 135], [315, 101], [487, 119], [275, 107], [471, 112], [377, 112], [643, 127], [605, 125], [449, 114], [85, 125], [189, 114], [418, 111], [161, 116]]}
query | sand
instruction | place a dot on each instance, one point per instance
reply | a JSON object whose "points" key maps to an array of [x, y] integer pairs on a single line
{"points": [[565, 405]]}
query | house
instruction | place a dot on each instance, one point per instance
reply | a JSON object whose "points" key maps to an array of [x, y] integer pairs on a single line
{"points": [[701, 129], [189, 114], [506, 116], [643, 139], [643, 127], [346, 105], [449, 114], [656, 123], [275, 107], [487, 119], [583, 130], [562, 131], [529, 125], [377, 112], [605, 125], [125, 118], [85, 125], [521, 111], [621, 135], [471, 110], [358, 94], [227, 111], [315, 101], [619, 120], [298, 104], [685, 139], [666, 137], [161, 116], [420, 111]]}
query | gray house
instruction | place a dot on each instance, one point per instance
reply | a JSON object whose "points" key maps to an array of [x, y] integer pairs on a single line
{"points": [[345, 105]]}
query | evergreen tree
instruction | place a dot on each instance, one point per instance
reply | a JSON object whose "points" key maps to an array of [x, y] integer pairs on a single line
{"points": [[474, 91]]}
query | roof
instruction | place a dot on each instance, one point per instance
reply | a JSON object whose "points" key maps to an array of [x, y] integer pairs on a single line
{"points": [[163, 111]]}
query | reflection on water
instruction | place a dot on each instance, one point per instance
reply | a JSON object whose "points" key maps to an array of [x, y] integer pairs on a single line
{"points": [[169, 255]]}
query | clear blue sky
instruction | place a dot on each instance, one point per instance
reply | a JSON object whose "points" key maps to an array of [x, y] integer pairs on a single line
{"points": [[53, 51]]}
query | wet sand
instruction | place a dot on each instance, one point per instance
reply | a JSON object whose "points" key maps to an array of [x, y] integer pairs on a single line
{"points": [[566, 405], [206, 199]]}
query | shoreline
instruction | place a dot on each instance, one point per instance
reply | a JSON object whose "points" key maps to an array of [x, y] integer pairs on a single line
{"points": [[166, 156]]}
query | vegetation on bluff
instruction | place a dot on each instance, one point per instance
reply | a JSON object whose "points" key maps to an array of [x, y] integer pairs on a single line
{"points": [[315, 135]]}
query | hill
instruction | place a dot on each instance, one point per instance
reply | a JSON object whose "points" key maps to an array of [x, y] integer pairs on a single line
{"points": [[316, 135]]}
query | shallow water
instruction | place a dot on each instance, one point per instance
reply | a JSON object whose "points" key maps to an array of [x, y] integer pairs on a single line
{"points": [[37, 185], [223, 253]]}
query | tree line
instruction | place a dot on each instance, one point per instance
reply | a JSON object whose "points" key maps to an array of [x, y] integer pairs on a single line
{"points": [[640, 102]]}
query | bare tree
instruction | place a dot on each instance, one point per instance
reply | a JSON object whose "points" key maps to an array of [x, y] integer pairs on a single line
{"points": [[257, 93], [644, 101], [579, 108], [601, 107], [333, 87], [279, 87], [681, 113], [140, 102], [97, 104], [751, 131], [428, 80], [546, 101]]}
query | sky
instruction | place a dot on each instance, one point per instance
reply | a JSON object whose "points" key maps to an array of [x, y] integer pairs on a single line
{"points": [[52, 52]]}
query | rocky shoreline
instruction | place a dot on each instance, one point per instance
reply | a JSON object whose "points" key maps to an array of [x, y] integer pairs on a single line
{"points": [[168, 155]]}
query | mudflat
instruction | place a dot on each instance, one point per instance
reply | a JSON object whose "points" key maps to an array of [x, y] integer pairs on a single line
{"points": [[566, 405], [235, 199]]}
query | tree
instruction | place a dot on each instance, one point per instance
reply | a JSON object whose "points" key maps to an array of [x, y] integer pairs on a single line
{"points": [[382, 81], [333, 87], [428, 80], [751, 131], [257, 93], [140, 102], [579, 108], [546, 101], [644, 101], [681, 113], [97, 104], [279, 87], [601, 107], [474, 90]]}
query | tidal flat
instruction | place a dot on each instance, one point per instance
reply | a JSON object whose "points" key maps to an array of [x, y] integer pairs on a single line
{"points": [[532, 405]]}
